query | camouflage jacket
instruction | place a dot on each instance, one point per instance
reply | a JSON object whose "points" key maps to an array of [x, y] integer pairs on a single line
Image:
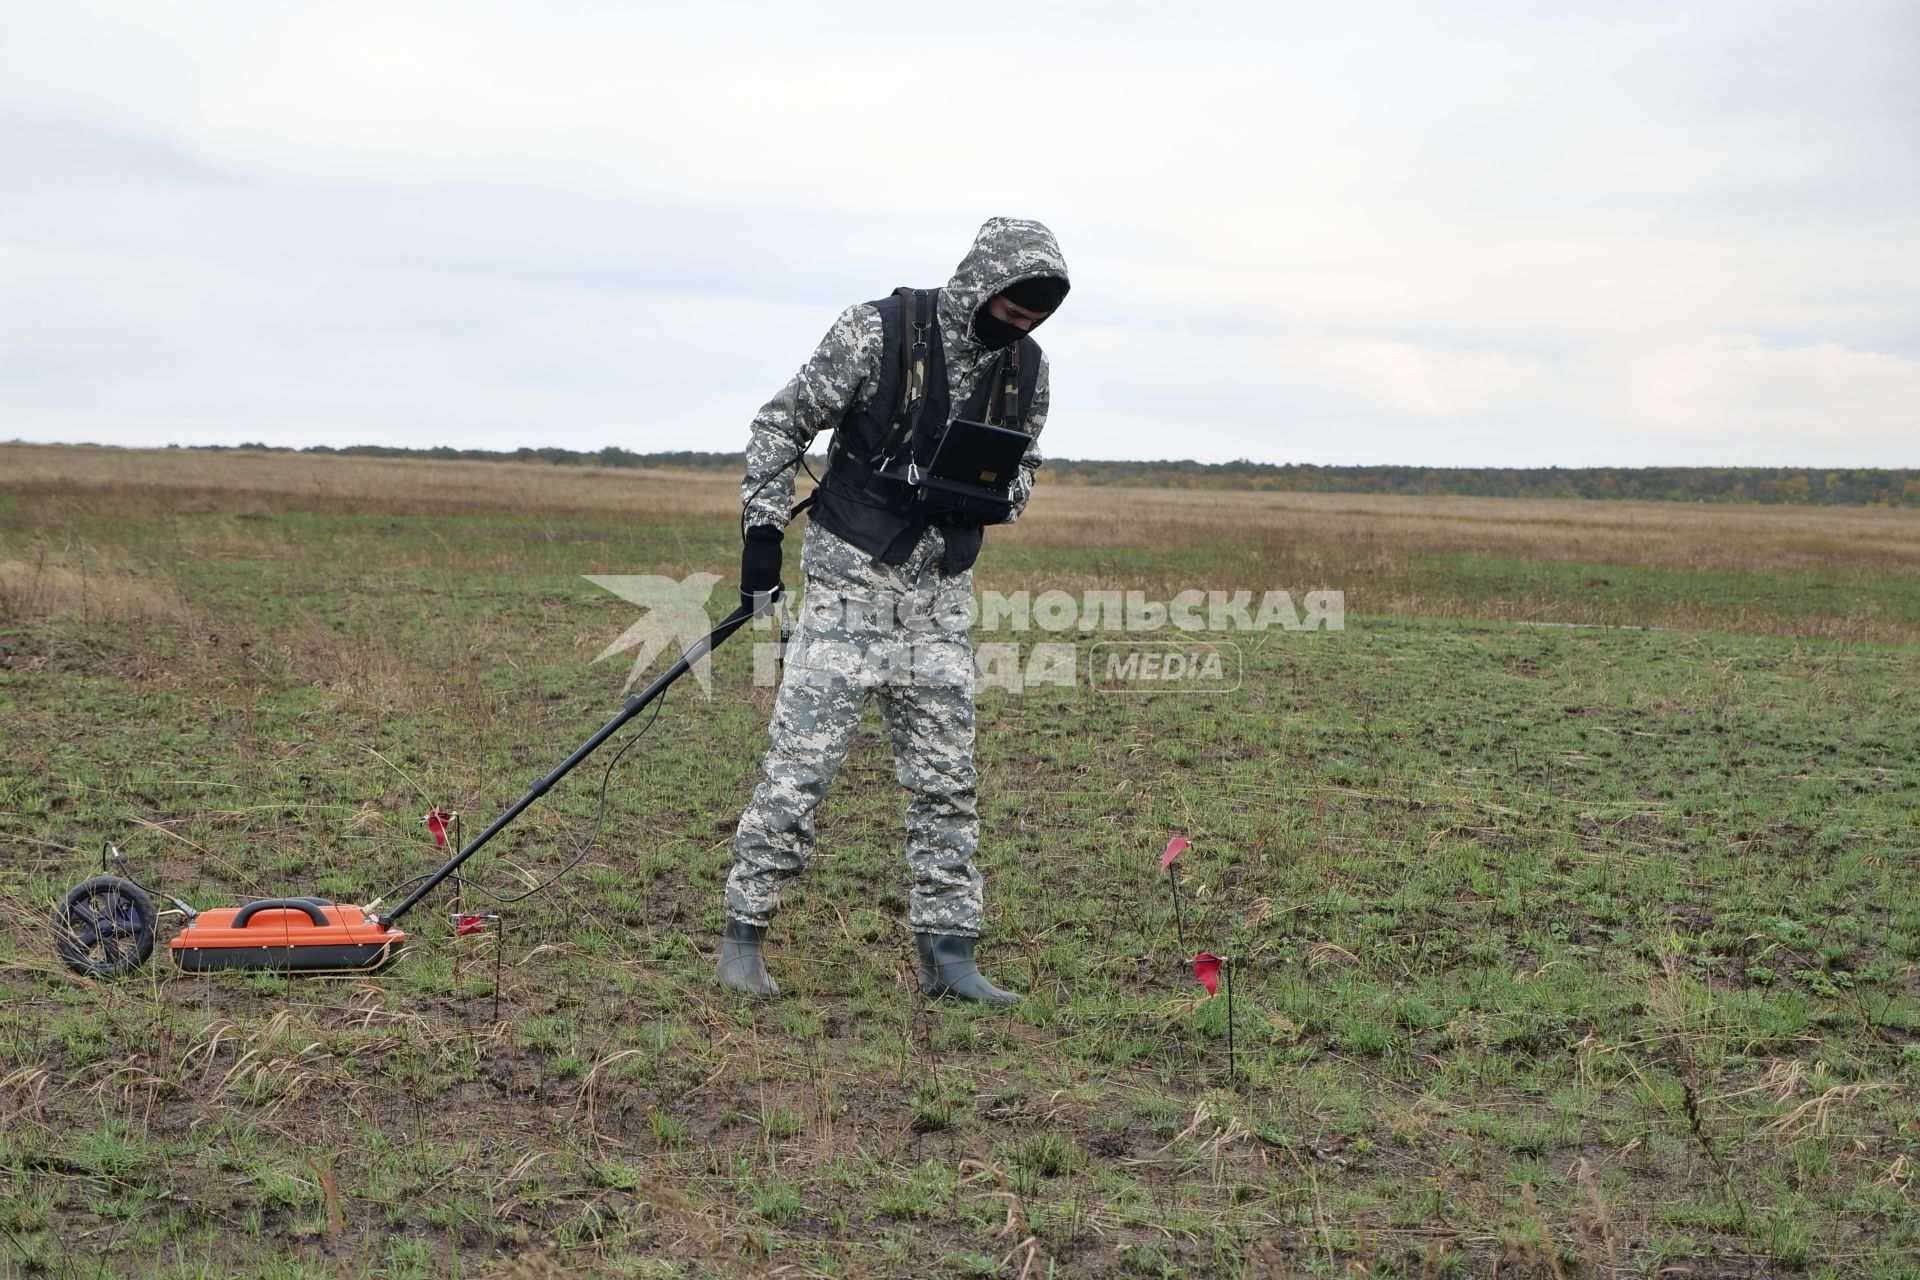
{"points": [[844, 369]]}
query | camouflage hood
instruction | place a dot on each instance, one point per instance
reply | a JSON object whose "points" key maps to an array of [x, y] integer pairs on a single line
{"points": [[1007, 251]]}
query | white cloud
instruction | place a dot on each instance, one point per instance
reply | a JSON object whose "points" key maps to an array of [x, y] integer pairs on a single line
{"points": [[1504, 234], [1802, 405]]}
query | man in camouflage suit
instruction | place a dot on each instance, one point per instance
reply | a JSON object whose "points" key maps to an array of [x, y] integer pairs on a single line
{"points": [[888, 594]]}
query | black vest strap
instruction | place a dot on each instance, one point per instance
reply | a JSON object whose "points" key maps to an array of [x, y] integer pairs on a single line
{"points": [[1008, 367], [913, 372]]}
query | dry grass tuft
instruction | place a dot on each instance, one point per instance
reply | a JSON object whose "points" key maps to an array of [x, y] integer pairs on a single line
{"points": [[50, 590]]}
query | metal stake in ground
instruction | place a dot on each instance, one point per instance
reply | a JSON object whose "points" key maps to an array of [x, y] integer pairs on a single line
{"points": [[1226, 963], [1174, 848], [1207, 969]]}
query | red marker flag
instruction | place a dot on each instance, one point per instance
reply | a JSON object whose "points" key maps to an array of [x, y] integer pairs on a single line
{"points": [[1206, 967], [437, 820], [464, 925], [1175, 847]]}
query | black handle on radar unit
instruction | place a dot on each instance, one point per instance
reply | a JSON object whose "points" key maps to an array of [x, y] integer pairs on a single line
{"points": [[309, 905]]}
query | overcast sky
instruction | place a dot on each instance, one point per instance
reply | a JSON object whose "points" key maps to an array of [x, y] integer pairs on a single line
{"points": [[1472, 234]]}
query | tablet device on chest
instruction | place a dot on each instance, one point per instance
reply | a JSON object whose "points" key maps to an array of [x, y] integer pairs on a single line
{"points": [[977, 457]]}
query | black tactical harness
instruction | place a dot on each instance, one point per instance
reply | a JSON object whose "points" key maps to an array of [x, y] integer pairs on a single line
{"points": [[863, 497]]}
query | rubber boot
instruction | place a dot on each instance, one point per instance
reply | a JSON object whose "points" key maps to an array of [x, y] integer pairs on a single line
{"points": [[743, 966], [947, 969]]}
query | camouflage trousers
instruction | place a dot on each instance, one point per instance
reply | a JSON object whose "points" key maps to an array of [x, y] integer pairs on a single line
{"points": [[898, 632]]}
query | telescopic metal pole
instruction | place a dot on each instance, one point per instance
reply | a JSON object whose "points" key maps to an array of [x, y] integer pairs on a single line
{"points": [[634, 706]]}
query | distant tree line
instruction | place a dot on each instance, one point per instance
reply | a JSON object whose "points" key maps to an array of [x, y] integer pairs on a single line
{"points": [[611, 456], [1858, 487], [1815, 486]]}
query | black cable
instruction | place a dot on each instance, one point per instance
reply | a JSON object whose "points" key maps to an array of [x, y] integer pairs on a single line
{"points": [[606, 777], [801, 458], [600, 811], [599, 819]]}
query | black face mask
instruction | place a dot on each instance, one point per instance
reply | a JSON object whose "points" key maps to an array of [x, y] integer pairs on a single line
{"points": [[994, 333]]}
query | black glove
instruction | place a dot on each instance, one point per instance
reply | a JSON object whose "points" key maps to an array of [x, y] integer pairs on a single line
{"points": [[760, 564]]}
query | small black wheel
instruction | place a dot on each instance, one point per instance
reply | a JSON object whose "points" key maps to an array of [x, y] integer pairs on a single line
{"points": [[104, 927]]}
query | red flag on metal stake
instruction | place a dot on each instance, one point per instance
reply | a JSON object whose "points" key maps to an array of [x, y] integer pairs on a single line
{"points": [[1206, 967], [464, 925], [437, 820], [1175, 847]]}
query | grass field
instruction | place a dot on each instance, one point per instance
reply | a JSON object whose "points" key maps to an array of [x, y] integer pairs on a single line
{"points": [[1581, 949]]}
